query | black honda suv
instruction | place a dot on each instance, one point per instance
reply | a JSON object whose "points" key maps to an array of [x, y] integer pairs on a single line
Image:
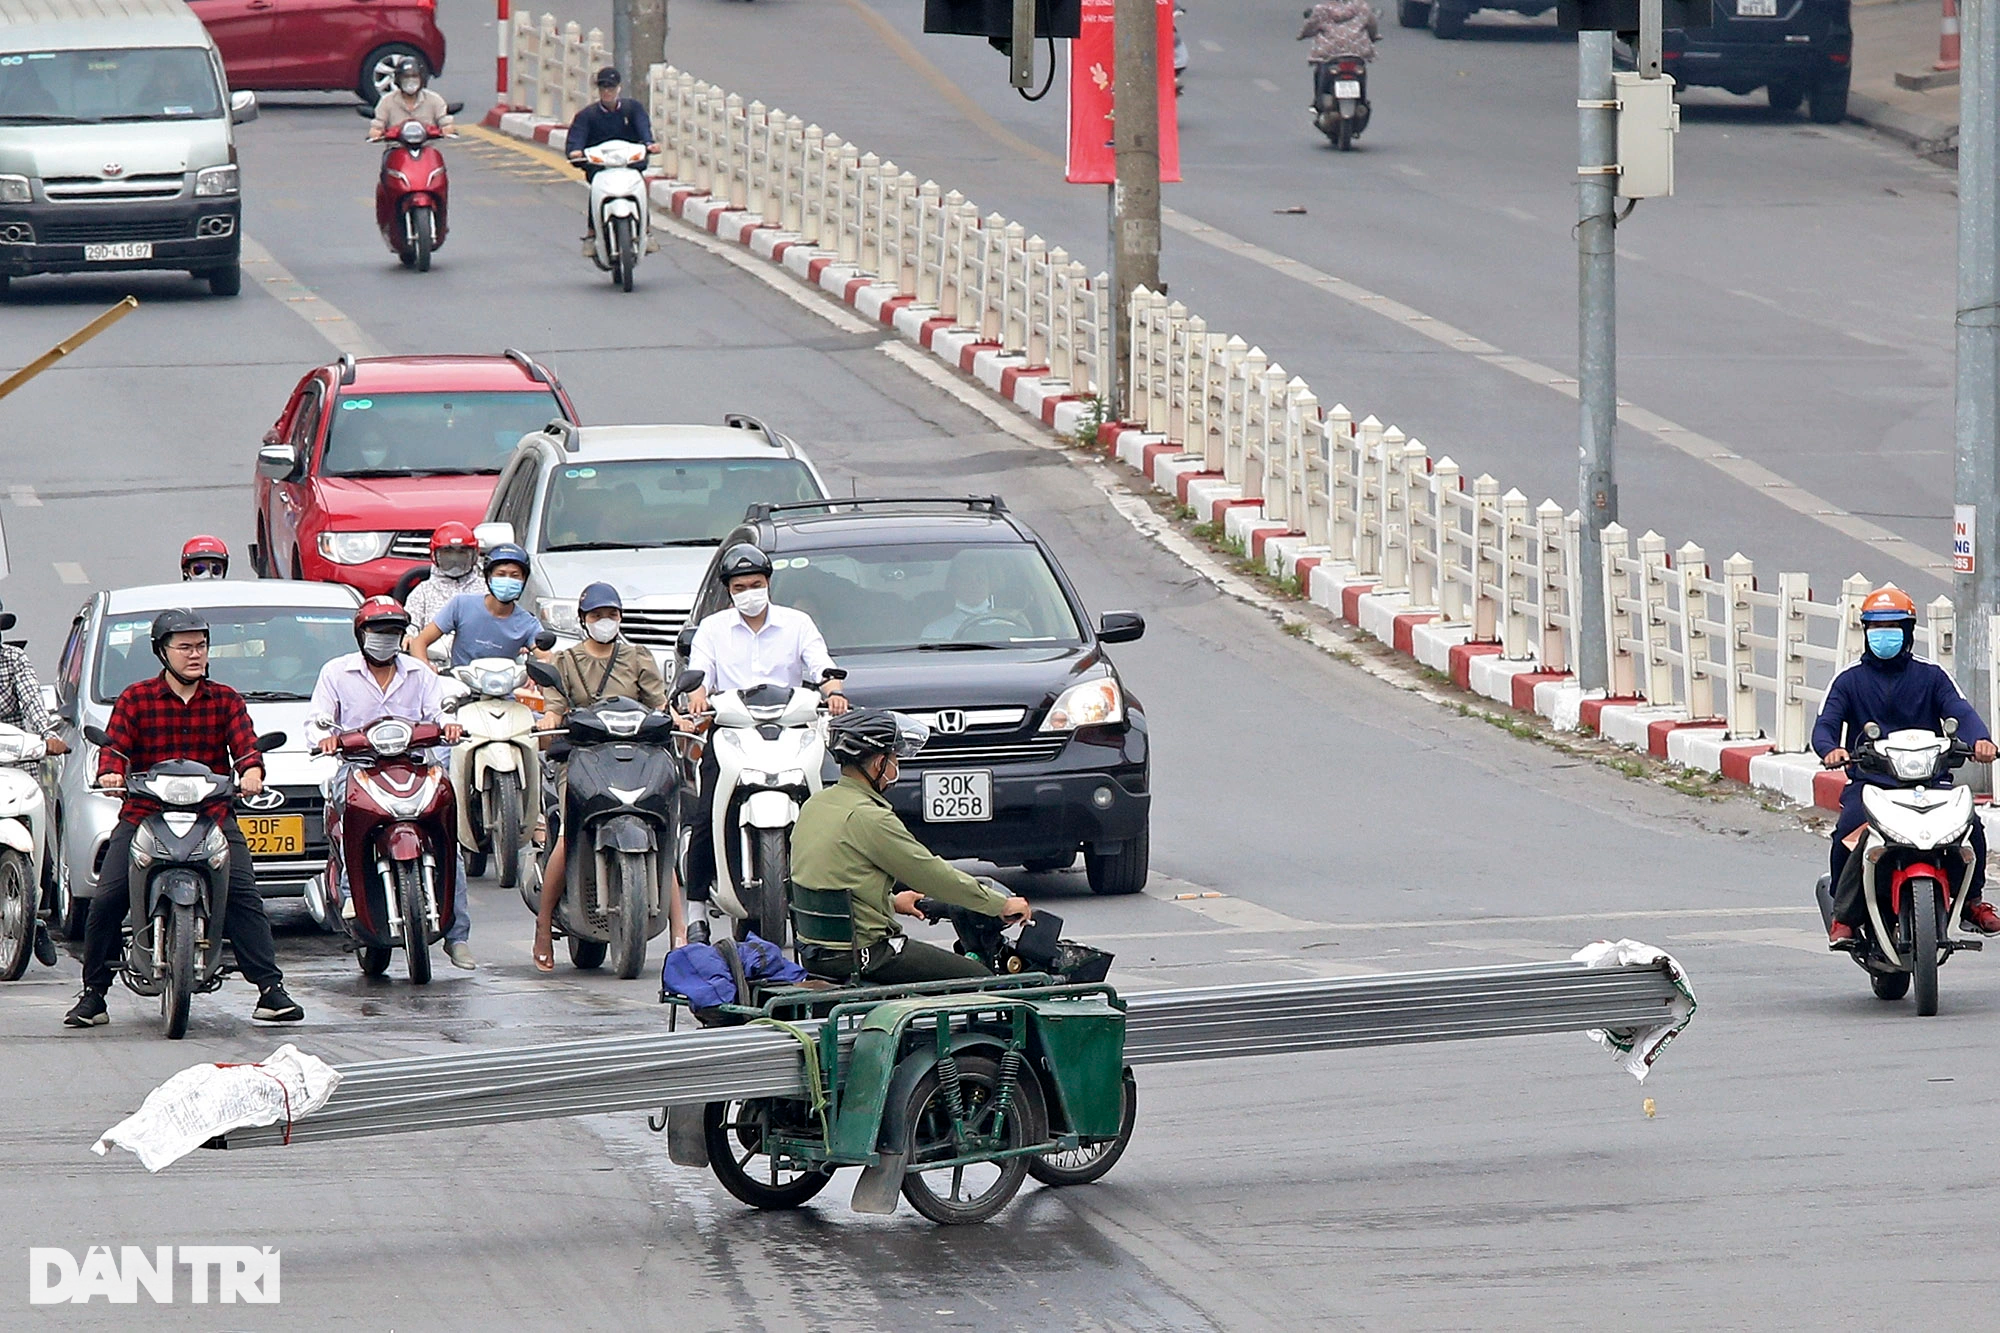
{"points": [[1796, 50], [955, 612]]}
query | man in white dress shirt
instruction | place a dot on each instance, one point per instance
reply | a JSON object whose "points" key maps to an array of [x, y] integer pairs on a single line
{"points": [[752, 643]]}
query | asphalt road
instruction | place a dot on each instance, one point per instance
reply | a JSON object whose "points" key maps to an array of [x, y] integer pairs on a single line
{"points": [[1350, 825]]}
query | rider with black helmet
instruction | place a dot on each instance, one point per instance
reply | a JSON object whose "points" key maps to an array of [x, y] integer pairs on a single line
{"points": [[609, 118], [490, 623], [754, 642], [410, 100], [179, 714], [849, 840]]}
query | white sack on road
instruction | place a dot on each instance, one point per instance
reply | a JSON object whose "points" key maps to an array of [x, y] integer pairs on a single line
{"points": [[198, 1103], [1635, 1049]]}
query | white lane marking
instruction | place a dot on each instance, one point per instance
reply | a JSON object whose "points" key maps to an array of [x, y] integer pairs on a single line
{"points": [[24, 496], [70, 572], [1564, 918], [1213, 48], [1715, 454], [325, 317], [1805, 941], [1409, 170], [1518, 214], [1265, 85]]}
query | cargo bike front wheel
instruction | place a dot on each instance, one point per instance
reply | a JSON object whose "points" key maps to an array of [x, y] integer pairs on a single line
{"points": [[944, 1178]]}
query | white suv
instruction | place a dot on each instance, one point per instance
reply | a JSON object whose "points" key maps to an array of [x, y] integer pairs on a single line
{"points": [[638, 507]]}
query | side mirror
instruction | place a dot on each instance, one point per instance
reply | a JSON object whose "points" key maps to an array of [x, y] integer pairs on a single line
{"points": [[689, 681], [684, 641], [271, 436], [96, 736], [278, 462], [544, 675], [365, 112], [272, 740], [1871, 730], [51, 700], [7, 621], [1950, 724], [243, 108], [545, 640], [453, 108], [834, 673], [490, 535], [1120, 626]]}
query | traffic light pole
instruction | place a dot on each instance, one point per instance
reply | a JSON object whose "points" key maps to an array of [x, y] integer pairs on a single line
{"points": [[1597, 342], [1976, 580]]}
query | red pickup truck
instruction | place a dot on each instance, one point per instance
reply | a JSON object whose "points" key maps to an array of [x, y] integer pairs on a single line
{"points": [[371, 454]]}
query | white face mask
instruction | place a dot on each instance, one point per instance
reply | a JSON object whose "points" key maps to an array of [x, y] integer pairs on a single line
{"points": [[603, 629], [976, 608], [752, 602], [380, 646], [410, 87]]}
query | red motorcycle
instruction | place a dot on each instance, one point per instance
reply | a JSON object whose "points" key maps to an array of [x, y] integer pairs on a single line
{"points": [[412, 196], [398, 838]]}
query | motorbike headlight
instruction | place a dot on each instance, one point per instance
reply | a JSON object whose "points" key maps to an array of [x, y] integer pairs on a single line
{"points": [[1088, 703], [559, 614], [354, 548], [390, 736], [183, 790], [16, 190], [214, 848], [212, 181]]}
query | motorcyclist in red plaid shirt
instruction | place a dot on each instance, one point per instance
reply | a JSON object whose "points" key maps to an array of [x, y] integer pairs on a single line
{"points": [[179, 714]]}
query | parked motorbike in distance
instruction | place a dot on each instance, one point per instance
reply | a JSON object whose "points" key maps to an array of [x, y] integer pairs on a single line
{"points": [[620, 826], [496, 766], [397, 840], [413, 192], [1340, 99], [179, 883], [24, 845], [618, 207], [770, 748], [1915, 856]]}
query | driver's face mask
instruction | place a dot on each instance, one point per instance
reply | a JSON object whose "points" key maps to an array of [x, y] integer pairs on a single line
{"points": [[978, 608], [380, 646], [885, 776], [410, 87], [1885, 643]]}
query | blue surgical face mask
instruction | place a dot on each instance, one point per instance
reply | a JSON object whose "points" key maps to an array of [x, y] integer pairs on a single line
{"points": [[1885, 643], [506, 588]]}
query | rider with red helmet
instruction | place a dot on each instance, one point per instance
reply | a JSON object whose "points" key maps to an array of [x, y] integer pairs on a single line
{"points": [[363, 687], [1893, 688], [454, 570], [204, 557]]}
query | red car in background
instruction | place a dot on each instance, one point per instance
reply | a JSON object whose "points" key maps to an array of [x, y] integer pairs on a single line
{"points": [[321, 45], [370, 455]]}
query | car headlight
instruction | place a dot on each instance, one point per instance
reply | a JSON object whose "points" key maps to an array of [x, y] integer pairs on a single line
{"points": [[354, 548], [1088, 703], [559, 614], [214, 848], [16, 190], [212, 181]]}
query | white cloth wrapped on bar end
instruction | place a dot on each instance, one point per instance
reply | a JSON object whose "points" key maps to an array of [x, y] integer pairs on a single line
{"points": [[1635, 1049], [203, 1101]]}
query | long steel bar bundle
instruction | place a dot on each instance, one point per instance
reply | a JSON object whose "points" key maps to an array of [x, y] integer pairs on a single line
{"points": [[607, 1074]]}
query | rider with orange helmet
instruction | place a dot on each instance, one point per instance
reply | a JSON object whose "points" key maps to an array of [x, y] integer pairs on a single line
{"points": [[204, 557], [1893, 688], [454, 570]]}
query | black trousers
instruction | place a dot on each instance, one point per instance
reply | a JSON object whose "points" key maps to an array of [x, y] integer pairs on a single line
{"points": [[884, 966], [701, 840], [1847, 903], [244, 922]]}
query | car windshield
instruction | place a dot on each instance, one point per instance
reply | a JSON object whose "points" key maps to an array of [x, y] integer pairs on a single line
{"points": [[89, 87], [874, 599], [262, 652], [406, 434], [664, 502]]}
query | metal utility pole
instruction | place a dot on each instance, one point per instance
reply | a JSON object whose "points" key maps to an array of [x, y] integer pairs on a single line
{"points": [[1976, 552], [1597, 340], [1135, 199], [638, 41]]}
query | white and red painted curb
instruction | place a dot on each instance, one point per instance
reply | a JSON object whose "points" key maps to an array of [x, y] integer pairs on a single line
{"points": [[1663, 733]]}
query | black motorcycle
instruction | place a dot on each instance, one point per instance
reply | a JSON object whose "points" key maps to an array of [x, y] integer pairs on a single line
{"points": [[179, 883], [1038, 946], [620, 826], [1340, 100]]}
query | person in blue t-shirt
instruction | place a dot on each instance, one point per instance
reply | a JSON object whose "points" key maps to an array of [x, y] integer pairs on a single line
{"points": [[488, 624]]}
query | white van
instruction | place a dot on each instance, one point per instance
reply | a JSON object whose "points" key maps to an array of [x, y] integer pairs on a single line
{"points": [[115, 142]]}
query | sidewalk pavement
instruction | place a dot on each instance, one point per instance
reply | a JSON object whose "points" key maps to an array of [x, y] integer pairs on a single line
{"points": [[1901, 36]]}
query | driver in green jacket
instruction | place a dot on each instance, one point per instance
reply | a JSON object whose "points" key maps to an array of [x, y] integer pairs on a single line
{"points": [[849, 839]]}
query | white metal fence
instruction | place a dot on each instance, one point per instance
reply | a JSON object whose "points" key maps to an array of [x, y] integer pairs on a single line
{"points": [[1715, 644]]}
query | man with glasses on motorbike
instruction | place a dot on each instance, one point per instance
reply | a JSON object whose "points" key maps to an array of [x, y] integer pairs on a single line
{"points": [[754, 642], [21, 706], [204, 557], [1897, 691], [605, 665], [179, 714], [849, 840], [361, 688]]}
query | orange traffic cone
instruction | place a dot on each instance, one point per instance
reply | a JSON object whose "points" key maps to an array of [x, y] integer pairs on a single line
{"points": [[1948, 37]]}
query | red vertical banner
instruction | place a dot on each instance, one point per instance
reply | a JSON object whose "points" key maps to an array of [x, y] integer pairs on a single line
{"points": [[1092, 85]]}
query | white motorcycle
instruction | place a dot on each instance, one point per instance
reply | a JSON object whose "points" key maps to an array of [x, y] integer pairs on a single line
{"points": [[618, 207], [770, 744], [496, 768], [24, 832]]}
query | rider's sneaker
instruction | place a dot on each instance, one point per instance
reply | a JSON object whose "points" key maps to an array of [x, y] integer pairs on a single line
{"points": [[274, 1006], [45, 947], [460, 954], [1981, 917], [88, 1011], [1840, 935]]}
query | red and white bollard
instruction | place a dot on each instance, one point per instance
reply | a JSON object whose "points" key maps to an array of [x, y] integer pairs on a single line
{"points": [[1948, 37], [502, 91]]}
